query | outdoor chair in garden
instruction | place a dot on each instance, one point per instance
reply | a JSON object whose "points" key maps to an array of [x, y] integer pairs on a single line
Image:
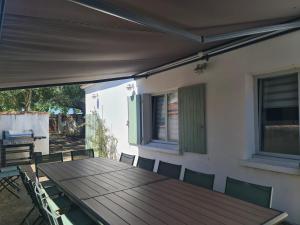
{"points": [[199, 179], [257, 194], [144, 163], [82, 154], [169, 170], [8, 177], [57, 215], [55, 157], [128, 159], [30, 191]]}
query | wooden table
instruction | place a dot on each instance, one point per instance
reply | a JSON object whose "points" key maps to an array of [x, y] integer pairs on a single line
{"points": [[80, 168], [116, 193]]}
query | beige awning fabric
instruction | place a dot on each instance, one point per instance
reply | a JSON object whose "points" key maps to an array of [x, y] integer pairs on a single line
{"points": [[57, 41]]}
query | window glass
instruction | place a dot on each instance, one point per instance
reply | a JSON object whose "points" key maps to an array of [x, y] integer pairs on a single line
{"points": [[159, 117], [279, 114], [172, 117]]}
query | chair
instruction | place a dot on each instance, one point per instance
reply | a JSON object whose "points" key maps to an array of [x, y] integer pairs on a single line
{"points": [[82, 154], [30, 191], [169, 170], [8, 177], [58, 216], [199, 179], [128, 159], [257, 194], [56, 157], [147, 164]]}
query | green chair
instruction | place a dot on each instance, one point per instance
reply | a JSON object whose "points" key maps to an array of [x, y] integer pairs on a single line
{"points": [[169, 170], [30, 191], [199, 179], [82, 154], [58, 216], [144, 163], [8, 178], [128, 159], [56, 157], [256, 194]]}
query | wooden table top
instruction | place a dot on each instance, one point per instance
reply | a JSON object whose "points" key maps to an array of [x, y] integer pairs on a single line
{"points": [[104, 183], [60, 171], [129, 195]]}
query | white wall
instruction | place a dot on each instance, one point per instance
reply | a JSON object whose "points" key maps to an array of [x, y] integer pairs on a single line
{"points": [[112, 108], [230, 115], [38, 122]]}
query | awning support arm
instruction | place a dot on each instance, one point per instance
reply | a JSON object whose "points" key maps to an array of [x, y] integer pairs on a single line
{"points": [[106, 7], [2, 10]]}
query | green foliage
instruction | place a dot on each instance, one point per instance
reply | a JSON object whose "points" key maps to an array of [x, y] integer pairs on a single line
{"points": [[43, 99], [99, 138]]}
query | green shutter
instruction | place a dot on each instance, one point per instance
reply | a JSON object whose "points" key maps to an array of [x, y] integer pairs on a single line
{"points": [[192, 132], [134, 119]]}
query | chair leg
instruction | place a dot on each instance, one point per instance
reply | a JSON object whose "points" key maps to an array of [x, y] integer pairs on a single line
{"points": [[37, 220], [11, 182], [42, 220], [27, 215], [6, 186]]}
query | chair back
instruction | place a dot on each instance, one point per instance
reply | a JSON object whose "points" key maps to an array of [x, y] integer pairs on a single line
{"points": [[24, 178], [199, 179], [49, 208], [55, 157], [128, 159], [144, 163], [169, 170], [40, 195], [257, 194], [82, 154]]}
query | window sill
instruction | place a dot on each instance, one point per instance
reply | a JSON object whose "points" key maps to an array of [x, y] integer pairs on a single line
{"points": [[279, 165], [162, 147]]}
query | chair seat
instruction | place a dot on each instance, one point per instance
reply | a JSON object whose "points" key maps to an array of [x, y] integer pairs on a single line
{"points": [[63, 202], [7, 174], [47, 183], [9, 168], [52, 191], [77, 217]]}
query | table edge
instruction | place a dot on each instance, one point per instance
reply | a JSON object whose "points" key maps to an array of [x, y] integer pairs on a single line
{"points": [[276, 219]]}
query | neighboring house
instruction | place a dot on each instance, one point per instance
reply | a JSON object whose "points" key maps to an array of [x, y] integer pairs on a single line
{"points": [[239, 117]]}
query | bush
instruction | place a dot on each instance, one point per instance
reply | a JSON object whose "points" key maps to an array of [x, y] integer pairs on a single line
{"points": [[98, 137]]}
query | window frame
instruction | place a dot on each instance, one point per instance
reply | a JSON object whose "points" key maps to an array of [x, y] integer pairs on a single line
{"points": [[257, 112], [165, 94]]}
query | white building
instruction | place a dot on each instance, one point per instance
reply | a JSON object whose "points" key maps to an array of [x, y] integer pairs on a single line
{"points": [[234, 139]]}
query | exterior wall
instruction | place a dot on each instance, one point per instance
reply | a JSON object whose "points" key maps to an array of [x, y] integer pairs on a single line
{"points": [[229, 116], [112, 98], [38, 122]]}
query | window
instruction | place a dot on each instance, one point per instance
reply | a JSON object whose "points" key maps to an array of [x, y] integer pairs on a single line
{"points": [[278, 101], [165, 117]]}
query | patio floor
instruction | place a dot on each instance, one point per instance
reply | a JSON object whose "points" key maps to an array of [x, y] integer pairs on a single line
{"points": [[13, 210]]}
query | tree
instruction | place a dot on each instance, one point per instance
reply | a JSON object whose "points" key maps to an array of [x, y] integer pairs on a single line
{"points": [[43, 99]]}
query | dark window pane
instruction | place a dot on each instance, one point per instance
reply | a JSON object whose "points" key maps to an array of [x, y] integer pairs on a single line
{"points": [[279, 112], [159, 118], [173, 117]]}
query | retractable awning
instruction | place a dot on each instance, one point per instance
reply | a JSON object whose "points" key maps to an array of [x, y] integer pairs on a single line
{"points": [[59, 41]]}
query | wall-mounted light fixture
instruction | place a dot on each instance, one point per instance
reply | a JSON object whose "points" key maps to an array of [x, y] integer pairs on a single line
{"points": [[201, 67], [130, 87]]}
